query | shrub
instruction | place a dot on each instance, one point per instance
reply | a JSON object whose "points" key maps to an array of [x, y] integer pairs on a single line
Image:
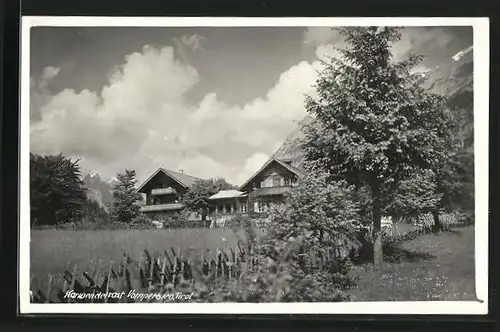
{"points": [[125, 197], [294, 259], [57, 193], [177, 220]]}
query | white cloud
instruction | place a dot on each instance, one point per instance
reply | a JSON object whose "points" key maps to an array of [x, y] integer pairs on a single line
{"points": [[428, 41], [321, 35], [40, 93], [325, 51], [463, 52], [193, 41], [142, 120], [49, 73], [252, 165]]}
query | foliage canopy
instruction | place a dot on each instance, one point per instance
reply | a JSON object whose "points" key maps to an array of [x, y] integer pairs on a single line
{"points": [[374, 122], [57, 192]]}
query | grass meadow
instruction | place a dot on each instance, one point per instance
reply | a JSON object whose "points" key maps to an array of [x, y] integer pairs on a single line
{"points": [[429, 267], [52, 251]]}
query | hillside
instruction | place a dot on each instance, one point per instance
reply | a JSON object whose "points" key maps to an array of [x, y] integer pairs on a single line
{"points": [[453, 78], [99, 190]]}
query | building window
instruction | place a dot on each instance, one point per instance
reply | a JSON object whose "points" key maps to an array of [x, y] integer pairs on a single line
{"points": [[263, 206], [273, 181], [243, 208], [268, 182], [287, 182]]}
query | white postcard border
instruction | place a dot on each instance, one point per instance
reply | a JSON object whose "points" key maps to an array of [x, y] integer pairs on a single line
{"points": [[481, 136]]}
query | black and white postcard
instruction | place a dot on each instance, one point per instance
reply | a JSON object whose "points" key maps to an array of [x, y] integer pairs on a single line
{"points": [[254, 165]]}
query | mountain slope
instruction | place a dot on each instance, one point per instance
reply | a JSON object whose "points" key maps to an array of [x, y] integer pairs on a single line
{"points": [[291, 149], [453, 78], [99, 190]]}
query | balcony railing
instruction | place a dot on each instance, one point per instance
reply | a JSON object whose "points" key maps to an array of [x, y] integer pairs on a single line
{"points": [[272, 191], [162, 207], [163, 191], [234, 213]]}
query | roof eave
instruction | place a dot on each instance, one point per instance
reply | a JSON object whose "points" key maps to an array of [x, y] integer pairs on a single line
{"points": [[227, 197], [148, 179], [264, 166], [155, 173], [255, 174], [173, 177]]}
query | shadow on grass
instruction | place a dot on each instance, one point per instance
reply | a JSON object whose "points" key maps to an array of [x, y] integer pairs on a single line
{"points": [[454, 232], [393, 253], [396, 254]]}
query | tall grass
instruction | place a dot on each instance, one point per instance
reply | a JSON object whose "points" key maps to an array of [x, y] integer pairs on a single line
{"points": [[51, 251]]}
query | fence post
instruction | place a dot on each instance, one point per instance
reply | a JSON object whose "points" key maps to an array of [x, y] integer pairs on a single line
{"points": [[73, 279], [141, 272], [49, 289], [31, 287], [237, 267], [108, 281], [125, 280], [95, 277], [162, 279], [151, 267], [175, 273], [230, 269], [222, 264]]}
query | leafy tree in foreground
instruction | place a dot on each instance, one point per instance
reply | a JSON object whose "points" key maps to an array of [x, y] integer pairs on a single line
{"points": [[196, 198], [57, 193], [374, 123], [415, 196], [455, 178], [125, 197], [316, 214]]}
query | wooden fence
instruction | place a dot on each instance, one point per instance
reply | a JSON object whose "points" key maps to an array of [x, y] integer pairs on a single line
{"points": [[168, 272]]}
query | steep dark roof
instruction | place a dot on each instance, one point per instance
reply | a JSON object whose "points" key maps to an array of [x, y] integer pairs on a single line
{"points": [[289, 167], [183, 179], [186, 180]]}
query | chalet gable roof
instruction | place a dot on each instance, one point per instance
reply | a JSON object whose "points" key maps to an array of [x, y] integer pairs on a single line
{"points": [[289, 167], [183, 179]]}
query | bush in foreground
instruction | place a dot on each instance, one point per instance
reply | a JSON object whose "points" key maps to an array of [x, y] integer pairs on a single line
{"points": [[299, 257]]}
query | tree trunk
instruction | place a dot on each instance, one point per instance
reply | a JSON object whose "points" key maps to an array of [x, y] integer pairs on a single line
{"points": [[204, 214], [378, 257], [437, 221]]}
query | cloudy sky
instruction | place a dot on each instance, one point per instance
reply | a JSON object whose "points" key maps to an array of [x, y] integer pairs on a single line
{"points": [[210, 101]]}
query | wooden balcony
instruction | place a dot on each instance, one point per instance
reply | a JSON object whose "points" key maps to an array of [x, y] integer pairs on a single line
{"points": [[163, 191], [162, 207], [272, 191], [215, 215]]}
